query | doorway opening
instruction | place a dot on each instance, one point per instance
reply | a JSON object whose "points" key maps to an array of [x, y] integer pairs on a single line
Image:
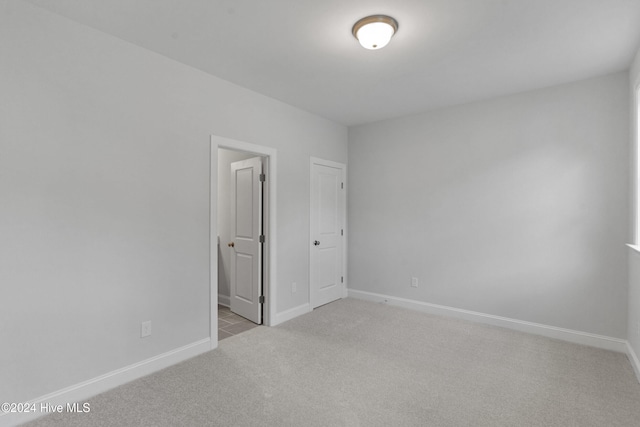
{"points": [[241, 180], [242, 236]]}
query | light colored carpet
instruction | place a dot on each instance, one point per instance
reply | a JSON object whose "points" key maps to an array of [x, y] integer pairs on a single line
{"points": [[355, 363]]}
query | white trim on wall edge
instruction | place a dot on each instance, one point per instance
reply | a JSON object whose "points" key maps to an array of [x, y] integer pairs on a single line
{"points": [[87, 389], [291, 313], [577, 337], [633, 358]]}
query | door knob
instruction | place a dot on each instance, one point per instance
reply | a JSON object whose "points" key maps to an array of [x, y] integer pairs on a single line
{"points": [[231, 244], [316, 243]]}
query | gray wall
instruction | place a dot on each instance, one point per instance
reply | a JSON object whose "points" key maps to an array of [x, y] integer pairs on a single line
{"points": [[514, 207], [104, 198], [633, 324], [225, 158]]}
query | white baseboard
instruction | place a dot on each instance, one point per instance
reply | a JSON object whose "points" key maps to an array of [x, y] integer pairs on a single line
{"points": [[633, 358], [290, 314], [224, 300], [577, 337], [86, 389]]}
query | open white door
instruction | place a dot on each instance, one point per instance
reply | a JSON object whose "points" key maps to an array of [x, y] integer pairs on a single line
{"points": [[245, 245], [327, 232]]}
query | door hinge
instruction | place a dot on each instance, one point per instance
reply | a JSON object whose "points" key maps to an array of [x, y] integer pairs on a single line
{"points": [[261, 299], [342, 185], [342, 231], [263, 177], [342, 279], [262, 238]]}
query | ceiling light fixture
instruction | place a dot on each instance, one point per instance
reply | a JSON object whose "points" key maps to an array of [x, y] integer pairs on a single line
{"points": [[375, 31]]}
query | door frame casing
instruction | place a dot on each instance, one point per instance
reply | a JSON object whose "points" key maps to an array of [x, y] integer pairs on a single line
{"points": [[270, 229], [343, 167]]}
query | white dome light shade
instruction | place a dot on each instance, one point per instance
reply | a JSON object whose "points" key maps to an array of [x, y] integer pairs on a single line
{"points": [[375, 32], [375, 35]]}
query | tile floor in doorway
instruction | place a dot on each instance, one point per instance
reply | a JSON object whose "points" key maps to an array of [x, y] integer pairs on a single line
{"points": [[230, 324]]}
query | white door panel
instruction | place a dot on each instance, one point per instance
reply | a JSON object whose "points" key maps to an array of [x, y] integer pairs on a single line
{"points": [[327, 276], [245, 246], [327, 240], [244, 277], [328, 203], [244, 202]]}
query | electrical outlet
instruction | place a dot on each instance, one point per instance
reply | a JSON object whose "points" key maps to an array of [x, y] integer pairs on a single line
{"points": [[145, 329], [414, 282], [294, 287]]}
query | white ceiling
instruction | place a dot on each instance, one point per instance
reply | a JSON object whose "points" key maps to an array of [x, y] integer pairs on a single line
{"points": [[446, 52]]}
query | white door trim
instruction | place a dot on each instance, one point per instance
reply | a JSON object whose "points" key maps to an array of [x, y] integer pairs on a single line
{"points": [[330, 163], [269, 309]]}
